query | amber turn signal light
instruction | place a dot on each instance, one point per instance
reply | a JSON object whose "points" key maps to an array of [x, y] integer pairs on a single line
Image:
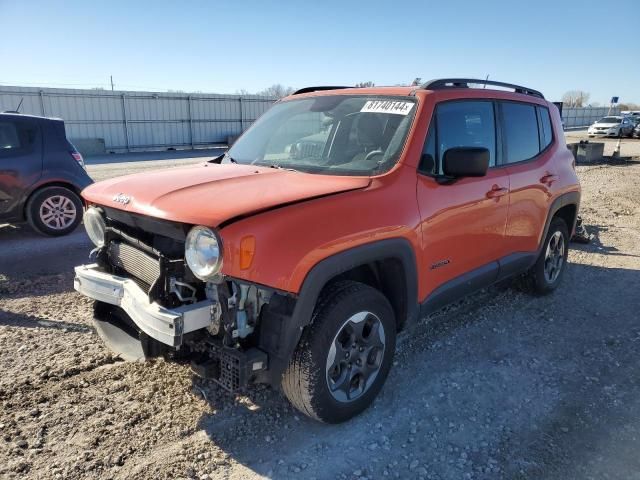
{"points": [[247, 250]]}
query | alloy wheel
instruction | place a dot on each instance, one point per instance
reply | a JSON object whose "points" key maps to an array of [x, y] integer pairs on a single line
{"points": [[355, 356], [554, 257], [58, 212]]}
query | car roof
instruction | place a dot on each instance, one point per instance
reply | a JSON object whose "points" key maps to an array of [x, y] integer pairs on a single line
{"points": [[320, 91], [404, 91], [16, 115], [481, 87]]}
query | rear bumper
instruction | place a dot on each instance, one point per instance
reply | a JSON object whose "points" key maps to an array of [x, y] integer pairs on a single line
{"points": [[162, 324]]}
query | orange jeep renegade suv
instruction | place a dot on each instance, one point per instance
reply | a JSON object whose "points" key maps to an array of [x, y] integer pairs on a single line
{"points": [[336, 220]]}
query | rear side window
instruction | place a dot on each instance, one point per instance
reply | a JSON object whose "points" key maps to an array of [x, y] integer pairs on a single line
{"points": [[546, 136], [520, 131], [9, 138], [460, 124]]}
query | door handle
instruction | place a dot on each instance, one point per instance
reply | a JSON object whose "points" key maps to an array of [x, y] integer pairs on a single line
{"points": [[497, 191], [548, 179]]}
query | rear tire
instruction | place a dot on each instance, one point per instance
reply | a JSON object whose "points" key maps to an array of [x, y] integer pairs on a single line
{"points": [[546, 274], [54, 211], [344, 356]]}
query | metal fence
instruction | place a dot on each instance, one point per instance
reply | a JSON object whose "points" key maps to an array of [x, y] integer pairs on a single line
{"points": [[127, 120], [585, 116]]}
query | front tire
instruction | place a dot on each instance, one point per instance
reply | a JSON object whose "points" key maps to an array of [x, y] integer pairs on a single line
{"points": [[54, 211], [344, 356], [545, 276]]}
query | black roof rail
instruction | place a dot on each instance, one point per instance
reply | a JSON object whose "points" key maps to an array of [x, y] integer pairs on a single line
{"points": [[443, 83], [316, 89]]}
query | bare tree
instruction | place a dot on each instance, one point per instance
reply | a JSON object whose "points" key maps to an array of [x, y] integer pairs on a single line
{"points": [[629, 106], [416, 81], [243, 91], [575, 98], [365, 84], [277, 90]]}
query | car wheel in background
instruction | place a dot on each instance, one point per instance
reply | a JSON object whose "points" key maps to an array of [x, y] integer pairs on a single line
{"points": [[344, 356], [54, 211]]}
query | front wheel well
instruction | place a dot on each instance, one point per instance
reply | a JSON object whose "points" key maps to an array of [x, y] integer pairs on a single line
{"points": [[385, 275]]}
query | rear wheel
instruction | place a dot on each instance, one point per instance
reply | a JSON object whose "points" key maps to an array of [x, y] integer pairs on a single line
{"points": [[54, 211], [545, 275], [344, 357]]}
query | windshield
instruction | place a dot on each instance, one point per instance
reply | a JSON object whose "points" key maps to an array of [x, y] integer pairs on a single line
{"points": [[610, 120], [337, 134]]}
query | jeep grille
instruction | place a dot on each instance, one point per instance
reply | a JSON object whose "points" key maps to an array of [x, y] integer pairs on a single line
{"points": [[134, 261]]}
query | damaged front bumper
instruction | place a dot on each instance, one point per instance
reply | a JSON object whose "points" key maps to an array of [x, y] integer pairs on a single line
{"points": [[167, 326], [230, 367]]}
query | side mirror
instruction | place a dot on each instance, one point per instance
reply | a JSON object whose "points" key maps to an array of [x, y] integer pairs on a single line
{"points": [[465, 162]]}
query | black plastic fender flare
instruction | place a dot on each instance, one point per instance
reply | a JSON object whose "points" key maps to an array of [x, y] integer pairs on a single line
{"points": [[569, 198], [325, 270]]}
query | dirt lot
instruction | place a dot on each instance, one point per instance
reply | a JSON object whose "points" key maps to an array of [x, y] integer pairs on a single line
{"points": [[500, 385]]}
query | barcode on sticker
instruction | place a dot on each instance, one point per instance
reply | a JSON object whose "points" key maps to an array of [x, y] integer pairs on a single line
{"points": [[387, 106]]}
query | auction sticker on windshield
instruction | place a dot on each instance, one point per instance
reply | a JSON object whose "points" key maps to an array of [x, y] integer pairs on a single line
{"points": [[387, 106]]}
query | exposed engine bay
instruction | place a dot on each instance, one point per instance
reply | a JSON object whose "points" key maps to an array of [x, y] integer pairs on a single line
{"points": [[220, 325]]}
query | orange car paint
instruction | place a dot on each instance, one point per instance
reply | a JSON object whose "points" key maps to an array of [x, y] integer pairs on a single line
{"points": [[210, 194], [455, 225]]}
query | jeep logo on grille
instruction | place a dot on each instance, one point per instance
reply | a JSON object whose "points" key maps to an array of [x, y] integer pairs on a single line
{"points": [[122, 198]]}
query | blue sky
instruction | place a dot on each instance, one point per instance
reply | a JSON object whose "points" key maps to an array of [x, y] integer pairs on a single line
{"points": [[225, 46]]}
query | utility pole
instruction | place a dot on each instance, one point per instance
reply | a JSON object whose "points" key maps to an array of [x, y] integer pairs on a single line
{"points": [[111, 76]]}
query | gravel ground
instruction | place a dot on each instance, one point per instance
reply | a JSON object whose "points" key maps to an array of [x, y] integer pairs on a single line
{"points": [[499, 385]]}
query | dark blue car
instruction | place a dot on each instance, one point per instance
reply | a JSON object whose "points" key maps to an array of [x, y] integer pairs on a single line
{"points": [[41, 174]]}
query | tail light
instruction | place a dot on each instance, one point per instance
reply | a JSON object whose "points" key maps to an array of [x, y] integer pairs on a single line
{"points": [[77, 156]]}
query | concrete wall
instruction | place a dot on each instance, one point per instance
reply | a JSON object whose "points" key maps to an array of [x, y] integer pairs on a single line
{"points": [[127, 120]]}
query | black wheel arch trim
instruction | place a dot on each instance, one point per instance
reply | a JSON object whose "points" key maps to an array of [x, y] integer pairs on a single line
{"points": [[566, 199], [327, 269]]}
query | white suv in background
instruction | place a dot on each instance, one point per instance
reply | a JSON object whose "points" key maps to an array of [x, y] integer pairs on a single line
{"points": [[612, 126]]}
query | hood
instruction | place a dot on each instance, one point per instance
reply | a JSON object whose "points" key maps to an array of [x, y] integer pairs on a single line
{"points": [[211, 194], [605, 125]]}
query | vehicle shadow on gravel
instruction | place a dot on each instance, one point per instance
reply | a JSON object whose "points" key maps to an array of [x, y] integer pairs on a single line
{"points": [[14, 286], [595, 244], [23, 231], [11, 319], [499, 385]]}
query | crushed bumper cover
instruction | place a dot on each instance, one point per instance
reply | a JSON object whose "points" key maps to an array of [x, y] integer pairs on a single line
{"points": [[162, 324]]}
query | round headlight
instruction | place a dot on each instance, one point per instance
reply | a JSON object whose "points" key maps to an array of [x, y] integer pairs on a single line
{"points": [[94, 225], [203, 253]]}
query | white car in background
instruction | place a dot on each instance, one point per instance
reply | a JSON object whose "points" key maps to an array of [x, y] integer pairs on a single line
{"points": [[611, 126]]}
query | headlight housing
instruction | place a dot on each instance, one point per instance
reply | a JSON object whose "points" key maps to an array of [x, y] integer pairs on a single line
{"points": [[94, 225], [203, 253]]}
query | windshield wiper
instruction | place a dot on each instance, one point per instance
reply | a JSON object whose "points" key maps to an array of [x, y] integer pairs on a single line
{"points": [[280, 167]]}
